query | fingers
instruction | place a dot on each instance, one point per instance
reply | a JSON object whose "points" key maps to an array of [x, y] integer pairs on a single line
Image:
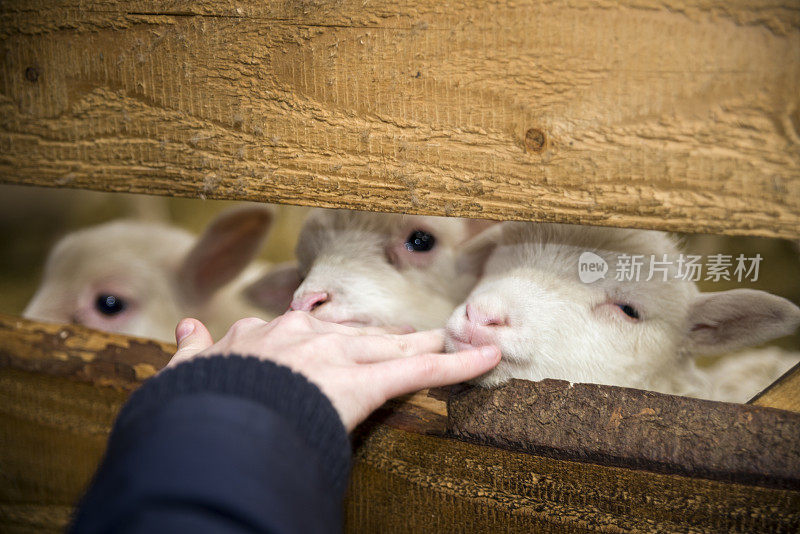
{"points": [[192, 337], [301, 319], [370, 349], [378, 330], [401, 376], [327, 326]]}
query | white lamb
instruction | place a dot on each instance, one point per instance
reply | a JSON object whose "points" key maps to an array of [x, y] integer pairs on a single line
{"points": [[740, 376], [361, 268], [643, 334], [141, 278]]}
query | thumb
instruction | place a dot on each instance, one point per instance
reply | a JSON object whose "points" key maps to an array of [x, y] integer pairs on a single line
{"points": [[192, 337]]}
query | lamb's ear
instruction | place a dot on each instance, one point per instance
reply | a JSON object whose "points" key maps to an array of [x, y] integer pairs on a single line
{"points": [[273, 292], [730, 320], [474, 253], [226, 247], [477, 226]]}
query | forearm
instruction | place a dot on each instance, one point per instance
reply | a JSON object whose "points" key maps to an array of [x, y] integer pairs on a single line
{"points": [[222, 445]]}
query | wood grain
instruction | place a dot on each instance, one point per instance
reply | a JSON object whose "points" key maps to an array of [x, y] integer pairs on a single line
{"points": [[784, 393], [80, 353], [681, 115], [408, 482], [59, 395], [54, 432], [634, 428]]}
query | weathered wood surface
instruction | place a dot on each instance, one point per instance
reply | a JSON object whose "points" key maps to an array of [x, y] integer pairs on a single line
{"points": [[53, 432], [634, 428], [784, 393], [79, 352], [682, 115], [409, 476], [409, 482]]}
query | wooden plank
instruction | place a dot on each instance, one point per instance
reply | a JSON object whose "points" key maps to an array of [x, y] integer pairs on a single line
{"points": [[106, 359], [634, 428], [410, 482], [784, 393], [602, 424], [81, 353], [408, 475], [678, 116], [54, 434], [55, 430]]}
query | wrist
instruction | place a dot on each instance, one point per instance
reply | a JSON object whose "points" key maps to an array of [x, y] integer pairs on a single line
{"points": [[307, 411]]}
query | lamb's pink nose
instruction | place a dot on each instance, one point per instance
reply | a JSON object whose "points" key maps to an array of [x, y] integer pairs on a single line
{"points": [[481, 317], [308, 301]]}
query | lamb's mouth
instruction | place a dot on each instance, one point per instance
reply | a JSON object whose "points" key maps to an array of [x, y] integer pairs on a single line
{"points": [[460, 345], [457, 342]]}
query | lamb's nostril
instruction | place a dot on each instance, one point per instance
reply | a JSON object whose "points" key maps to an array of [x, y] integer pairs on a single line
{"points": [[309, 301], [481, 317]]}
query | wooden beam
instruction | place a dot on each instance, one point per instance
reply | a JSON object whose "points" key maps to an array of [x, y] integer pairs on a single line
{"points": [[54, 432], [408, 474], [679, 116], [106, 359], [634, 428], [784, 393], [80, 353], [412, 482], [603, 424]]}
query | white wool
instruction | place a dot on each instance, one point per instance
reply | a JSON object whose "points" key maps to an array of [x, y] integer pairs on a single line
{"points": [[145, 265], [359, 260], [549, 324], [738, 377]]}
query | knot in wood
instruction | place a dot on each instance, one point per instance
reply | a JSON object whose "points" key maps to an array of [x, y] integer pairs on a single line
{"points": [[534, 140], [32, 74]]}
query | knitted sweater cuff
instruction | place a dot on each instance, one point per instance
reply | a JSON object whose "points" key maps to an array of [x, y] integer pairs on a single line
{"points": [[304, 407]]}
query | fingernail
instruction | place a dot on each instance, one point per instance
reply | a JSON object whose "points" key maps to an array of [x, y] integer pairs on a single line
{"points": [[488, 351], [185, 328]]}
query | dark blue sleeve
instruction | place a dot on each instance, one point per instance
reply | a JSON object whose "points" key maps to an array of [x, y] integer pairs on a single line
{"points": [[221, 444]]}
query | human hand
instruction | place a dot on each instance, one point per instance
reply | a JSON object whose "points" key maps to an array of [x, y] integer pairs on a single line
{"points": [[358, 369]]}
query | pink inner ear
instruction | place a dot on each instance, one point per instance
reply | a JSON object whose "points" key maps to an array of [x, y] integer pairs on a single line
{"points": [[476, 226], [275, 290], [224, 250]]}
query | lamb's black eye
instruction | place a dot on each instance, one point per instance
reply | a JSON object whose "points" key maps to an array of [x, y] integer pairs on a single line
{"points": [[109, 304], [629, 310], [420, 241]]}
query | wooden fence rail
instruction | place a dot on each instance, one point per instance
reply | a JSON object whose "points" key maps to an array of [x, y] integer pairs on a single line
{"points": [[682, 116], [646, 461]]}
